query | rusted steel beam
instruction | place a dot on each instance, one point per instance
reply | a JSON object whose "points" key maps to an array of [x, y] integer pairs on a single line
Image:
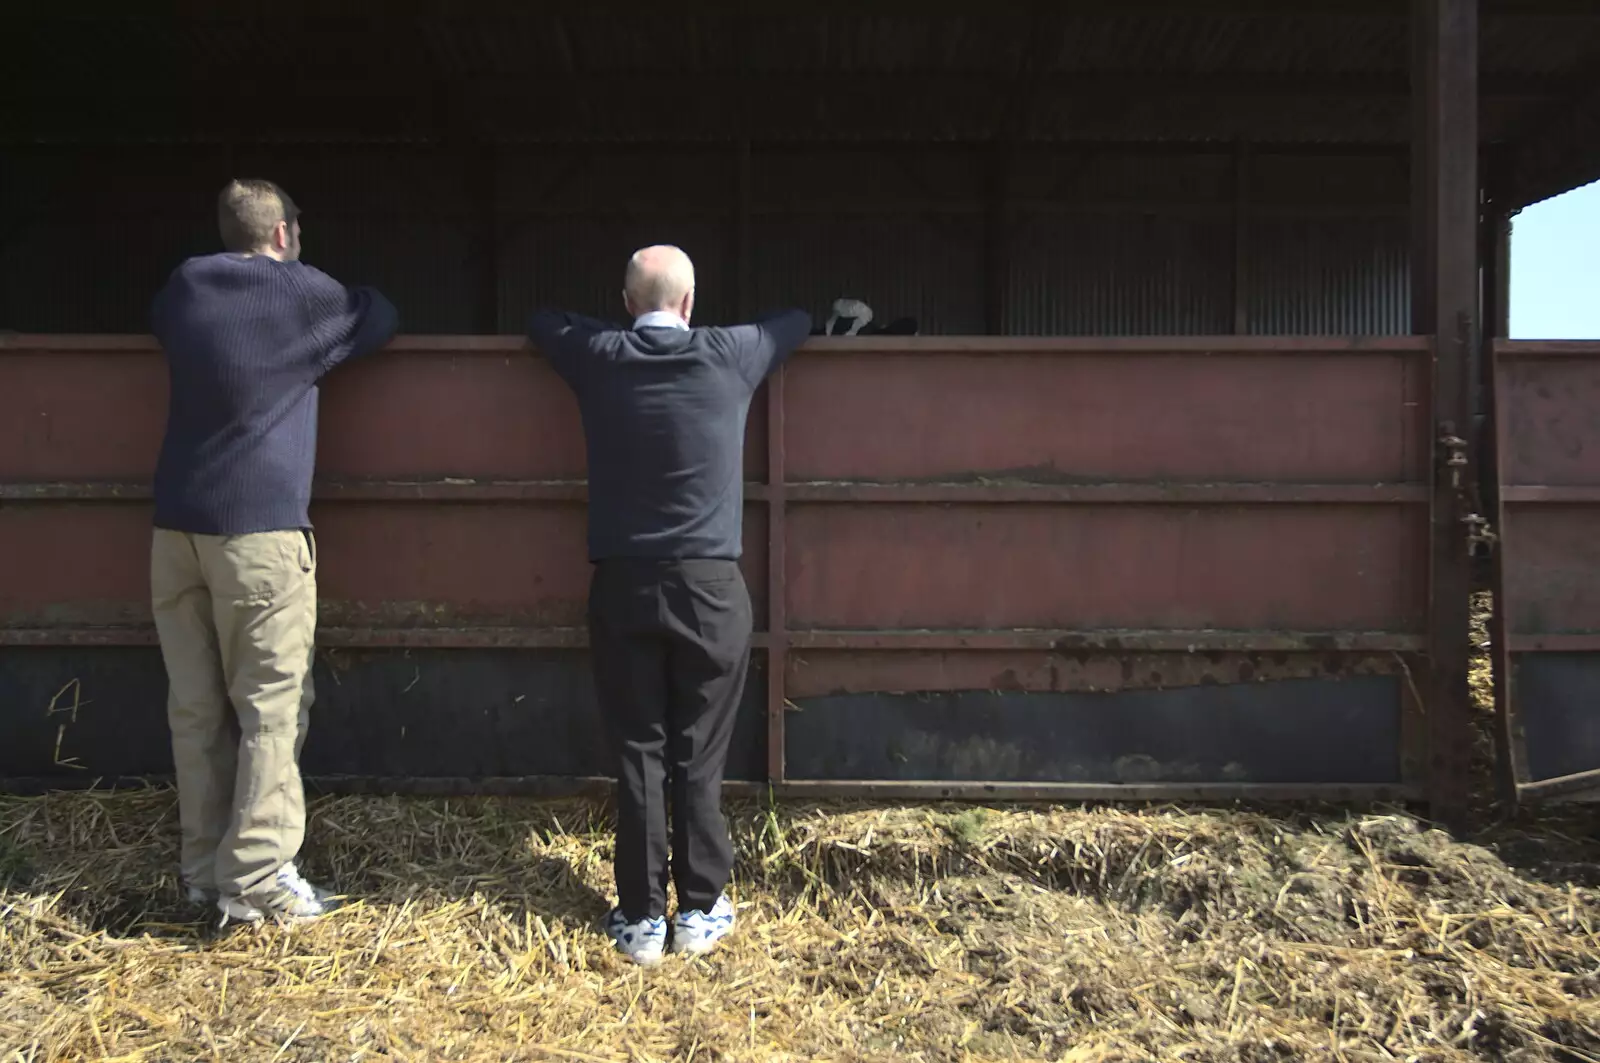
{"points": [[799, 789], [1495, 246], [830, 673], [502, 345], [1566, 785], [1521, 349], [982, 492], [795, 789], [1112, 641], [1012, 791], [1103, 493], [1577, 642], [78, 636], [777, 578], [1445, 271], [1577, 494], [485, 637], [75, 492], [508, 637]]}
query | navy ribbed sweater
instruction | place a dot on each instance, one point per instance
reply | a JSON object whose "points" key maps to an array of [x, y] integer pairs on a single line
{"points": [[663, 419], [247, 339]]}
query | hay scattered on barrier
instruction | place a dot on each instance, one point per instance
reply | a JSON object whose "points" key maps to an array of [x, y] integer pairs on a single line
{"points": [[867, 933]]}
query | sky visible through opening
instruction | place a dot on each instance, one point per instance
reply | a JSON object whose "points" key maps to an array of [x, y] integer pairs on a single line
{"points": [[1555, 268]]}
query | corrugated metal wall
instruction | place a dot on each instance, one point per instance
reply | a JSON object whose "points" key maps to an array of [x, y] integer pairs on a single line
{"points": [[1096, 242]]}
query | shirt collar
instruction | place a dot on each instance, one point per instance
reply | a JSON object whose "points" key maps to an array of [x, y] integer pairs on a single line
{"points": [[660, 319]]}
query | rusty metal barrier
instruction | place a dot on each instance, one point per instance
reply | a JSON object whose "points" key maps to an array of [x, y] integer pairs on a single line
{"points": [[1170, 567], [1546, 629]]}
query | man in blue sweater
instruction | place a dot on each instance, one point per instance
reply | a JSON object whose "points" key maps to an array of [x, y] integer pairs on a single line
{"points": [[248, 334], [664, 411]]}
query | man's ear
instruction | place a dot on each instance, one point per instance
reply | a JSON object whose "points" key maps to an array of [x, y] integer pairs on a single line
{"points": [[280, 236]]}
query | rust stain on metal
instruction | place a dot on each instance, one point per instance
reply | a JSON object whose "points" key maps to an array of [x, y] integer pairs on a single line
{"points": [[814, 673]]}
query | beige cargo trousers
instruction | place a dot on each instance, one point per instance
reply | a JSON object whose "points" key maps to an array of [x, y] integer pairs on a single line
{"points": [[237, 618]]}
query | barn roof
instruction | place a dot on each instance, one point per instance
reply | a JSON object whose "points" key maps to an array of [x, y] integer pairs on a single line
{"points": [[1321, 72]]}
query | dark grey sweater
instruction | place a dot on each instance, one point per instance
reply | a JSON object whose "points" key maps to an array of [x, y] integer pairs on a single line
{"points": [[663, 417], [247, 338]]}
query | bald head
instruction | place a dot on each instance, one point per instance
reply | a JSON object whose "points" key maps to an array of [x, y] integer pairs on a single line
{"points": [[659, 278]]}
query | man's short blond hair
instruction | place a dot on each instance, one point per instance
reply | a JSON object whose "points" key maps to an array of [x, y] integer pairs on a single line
{"points": [[249, 210]]}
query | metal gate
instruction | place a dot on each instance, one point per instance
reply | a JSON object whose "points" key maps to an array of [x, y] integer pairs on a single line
{"points": [[1135, 567], [1547, 585]]}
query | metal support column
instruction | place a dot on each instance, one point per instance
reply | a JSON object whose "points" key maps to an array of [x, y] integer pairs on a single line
{"points": [[1445, 305], [1494, 245]]}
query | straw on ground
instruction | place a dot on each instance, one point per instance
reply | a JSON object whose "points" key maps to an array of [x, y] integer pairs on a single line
{"points": [[866, 933]]}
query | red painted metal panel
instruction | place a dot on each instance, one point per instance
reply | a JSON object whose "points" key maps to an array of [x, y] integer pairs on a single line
{"points": [[1115, 415], [80, 414], [483, 415], [472, 408], [1028, 515], [1547, 593], [1301, 568], [1551, 407], [75, 565], [820, 673], [384, 565], [1548, 443], [1552, 568]]}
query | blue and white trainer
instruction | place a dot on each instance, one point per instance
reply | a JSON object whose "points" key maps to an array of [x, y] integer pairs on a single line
{"points": [[286, 898], [696, 933], [643, 942]]}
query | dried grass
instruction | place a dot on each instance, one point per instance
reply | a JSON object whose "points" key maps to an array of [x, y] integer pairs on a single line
{"points": [[886, 933], [1092, 935]]}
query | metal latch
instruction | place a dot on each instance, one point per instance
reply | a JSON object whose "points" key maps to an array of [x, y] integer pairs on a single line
{"points": [[1457, 460], [1481, 538]]}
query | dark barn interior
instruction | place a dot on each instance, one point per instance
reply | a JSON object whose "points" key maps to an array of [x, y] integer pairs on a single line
{"points": [[1176, 494], [1102, 169]]}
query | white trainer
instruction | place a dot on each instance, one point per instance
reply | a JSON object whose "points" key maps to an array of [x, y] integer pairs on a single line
{"points": [[644, 942], [288, 899], [697, 933]]}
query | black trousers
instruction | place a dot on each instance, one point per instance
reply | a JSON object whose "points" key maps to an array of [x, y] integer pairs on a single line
{"points": [[670, 642]]}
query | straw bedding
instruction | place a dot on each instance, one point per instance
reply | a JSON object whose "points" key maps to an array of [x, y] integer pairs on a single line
{"points": [[882, 933], [907, 933]]}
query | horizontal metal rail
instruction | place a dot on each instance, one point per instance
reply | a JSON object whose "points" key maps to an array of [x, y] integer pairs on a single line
{"points": [[925, 345], [1056, 641], [801, 789], [1566, 785], [983, 493]]}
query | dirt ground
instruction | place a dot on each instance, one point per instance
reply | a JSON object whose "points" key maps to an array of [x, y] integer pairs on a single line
{"points": [[866, 933]]}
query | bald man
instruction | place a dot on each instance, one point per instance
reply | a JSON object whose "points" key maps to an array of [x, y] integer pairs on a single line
{"points": [[664, 410]]}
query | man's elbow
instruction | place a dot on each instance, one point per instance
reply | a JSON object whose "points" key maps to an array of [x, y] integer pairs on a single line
{"points": [[790, 329], [543, 325], [381, 322]]}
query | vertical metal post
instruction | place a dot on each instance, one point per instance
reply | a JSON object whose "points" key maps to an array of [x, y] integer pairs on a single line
{"points": [[1446, 305], [777, 580], [1241, 241], [1495, 248]]}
